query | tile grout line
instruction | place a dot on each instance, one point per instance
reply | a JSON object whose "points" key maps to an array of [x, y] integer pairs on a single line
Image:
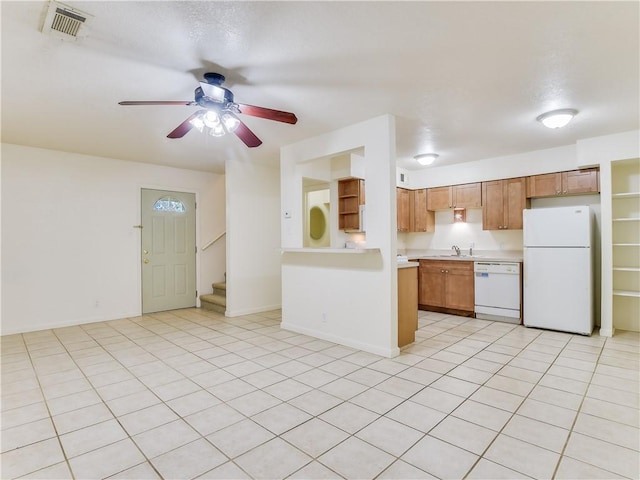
{"points": [[360, 367]]}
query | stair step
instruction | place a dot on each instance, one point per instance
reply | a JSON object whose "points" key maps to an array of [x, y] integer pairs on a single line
{"points": [[219, 286], [214, 298], [214, 302]]}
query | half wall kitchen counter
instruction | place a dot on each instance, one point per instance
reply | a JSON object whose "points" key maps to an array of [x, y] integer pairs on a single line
{"points": [[408, 264]]}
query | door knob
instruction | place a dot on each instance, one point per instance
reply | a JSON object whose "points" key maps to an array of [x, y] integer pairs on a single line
{"points": [[145, 251], [146, 260]]}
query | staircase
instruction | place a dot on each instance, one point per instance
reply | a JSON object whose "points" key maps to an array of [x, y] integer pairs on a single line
{"points": [[216, 301]]}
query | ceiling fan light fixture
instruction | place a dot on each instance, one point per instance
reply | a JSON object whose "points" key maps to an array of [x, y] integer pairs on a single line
{"points": [[230, 122], [217, 131], [426, 158], [197, 123], [211, 119], [557, 118]]}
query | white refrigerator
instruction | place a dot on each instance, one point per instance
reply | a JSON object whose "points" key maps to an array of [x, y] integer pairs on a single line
{"points": [[558, 269]]}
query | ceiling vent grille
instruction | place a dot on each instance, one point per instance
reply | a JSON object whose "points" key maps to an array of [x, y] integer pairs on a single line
{"points": [[65, 22]]}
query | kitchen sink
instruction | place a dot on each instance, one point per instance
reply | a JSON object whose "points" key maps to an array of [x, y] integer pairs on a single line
{"points": [[462, 255]]}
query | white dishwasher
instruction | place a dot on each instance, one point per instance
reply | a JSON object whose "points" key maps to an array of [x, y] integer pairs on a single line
{"points": [[497, 291]]}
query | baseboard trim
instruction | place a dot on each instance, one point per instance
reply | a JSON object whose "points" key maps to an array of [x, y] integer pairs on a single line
{"points": [[607, 332], [366, 347], [249, 311], [70, 323]]}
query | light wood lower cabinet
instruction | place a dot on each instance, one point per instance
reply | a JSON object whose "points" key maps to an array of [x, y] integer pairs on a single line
{"points": [[407, 305], [446, 286]]}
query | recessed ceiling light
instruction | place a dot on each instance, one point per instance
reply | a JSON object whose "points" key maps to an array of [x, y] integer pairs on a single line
{"points": [[557, 118], [426, 158]]}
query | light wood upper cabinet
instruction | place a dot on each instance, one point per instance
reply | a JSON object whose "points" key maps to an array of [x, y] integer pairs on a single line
{"points": [[350, 197], [581, 181], [572, 182], [504, 201], [439, 198], [467, 196], [423, 220], [404, 209], [412, 211], [461, 196], [546, 185], [446, 285]]}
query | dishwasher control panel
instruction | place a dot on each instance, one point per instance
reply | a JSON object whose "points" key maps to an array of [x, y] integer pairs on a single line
{"points": [[496, 267]]}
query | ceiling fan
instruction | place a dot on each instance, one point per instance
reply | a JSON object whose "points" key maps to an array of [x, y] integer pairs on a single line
{"points": [[218, 113]]}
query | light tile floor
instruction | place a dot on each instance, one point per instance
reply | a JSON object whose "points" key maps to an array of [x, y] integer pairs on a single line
{"points": [[192, 394]]}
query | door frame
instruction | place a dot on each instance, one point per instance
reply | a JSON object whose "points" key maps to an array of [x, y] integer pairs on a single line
{"points": [[138, 239]]}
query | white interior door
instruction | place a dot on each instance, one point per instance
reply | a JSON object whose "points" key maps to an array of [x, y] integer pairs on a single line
{"points": [[168, 250]]}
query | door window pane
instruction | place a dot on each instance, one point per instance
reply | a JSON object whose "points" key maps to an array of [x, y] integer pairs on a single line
{"points": [[168, 204]]}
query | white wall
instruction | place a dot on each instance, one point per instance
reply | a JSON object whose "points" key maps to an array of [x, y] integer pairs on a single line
{"points": [[253, 238], [70, 252], [348, 298], [520, 165]]}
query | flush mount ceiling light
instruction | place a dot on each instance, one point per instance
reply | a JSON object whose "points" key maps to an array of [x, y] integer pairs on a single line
{"points": [[426, 158], [557, 118]]}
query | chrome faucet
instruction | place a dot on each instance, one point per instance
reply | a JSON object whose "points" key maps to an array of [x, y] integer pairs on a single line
{"points": [[457, 249]]}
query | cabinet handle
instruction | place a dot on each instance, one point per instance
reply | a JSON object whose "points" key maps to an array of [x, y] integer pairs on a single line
{"points": [[558, 192], [564, 192], [441, 271]]}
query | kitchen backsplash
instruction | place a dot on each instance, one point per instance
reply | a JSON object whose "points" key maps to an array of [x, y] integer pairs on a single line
{"points": [[461, 234]]}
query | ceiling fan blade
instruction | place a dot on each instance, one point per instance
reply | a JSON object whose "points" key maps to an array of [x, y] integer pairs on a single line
{"points": [[268, 113], [182, 129], [161, 102], [246, 135]]}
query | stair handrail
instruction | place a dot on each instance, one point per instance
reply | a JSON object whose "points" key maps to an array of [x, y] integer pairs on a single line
{"points": [[214, 240]]}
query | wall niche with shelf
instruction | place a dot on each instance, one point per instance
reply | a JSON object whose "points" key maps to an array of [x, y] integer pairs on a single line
{"points": [[625, 209]]}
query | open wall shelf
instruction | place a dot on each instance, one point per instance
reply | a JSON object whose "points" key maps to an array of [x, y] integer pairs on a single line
{"points": [[625, 218]]}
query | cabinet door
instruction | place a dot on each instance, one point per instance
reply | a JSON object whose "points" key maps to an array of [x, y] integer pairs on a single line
{"points": [[423, 219], [515, 202], [467, 196], [407, 305], [459, 287], [431, 284], [580, 181], [403, 199], [493, 214], [547, 185], [439, 198]]}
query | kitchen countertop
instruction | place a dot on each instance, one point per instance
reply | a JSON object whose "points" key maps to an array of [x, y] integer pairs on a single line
{"points": [[408, 264], [480, 255]]}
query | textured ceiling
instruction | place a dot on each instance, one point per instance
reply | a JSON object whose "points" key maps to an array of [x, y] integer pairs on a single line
{"points": [[464, 79]]}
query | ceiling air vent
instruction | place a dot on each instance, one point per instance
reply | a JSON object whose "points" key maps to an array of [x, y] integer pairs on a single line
{"points": [[65, 22]]}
